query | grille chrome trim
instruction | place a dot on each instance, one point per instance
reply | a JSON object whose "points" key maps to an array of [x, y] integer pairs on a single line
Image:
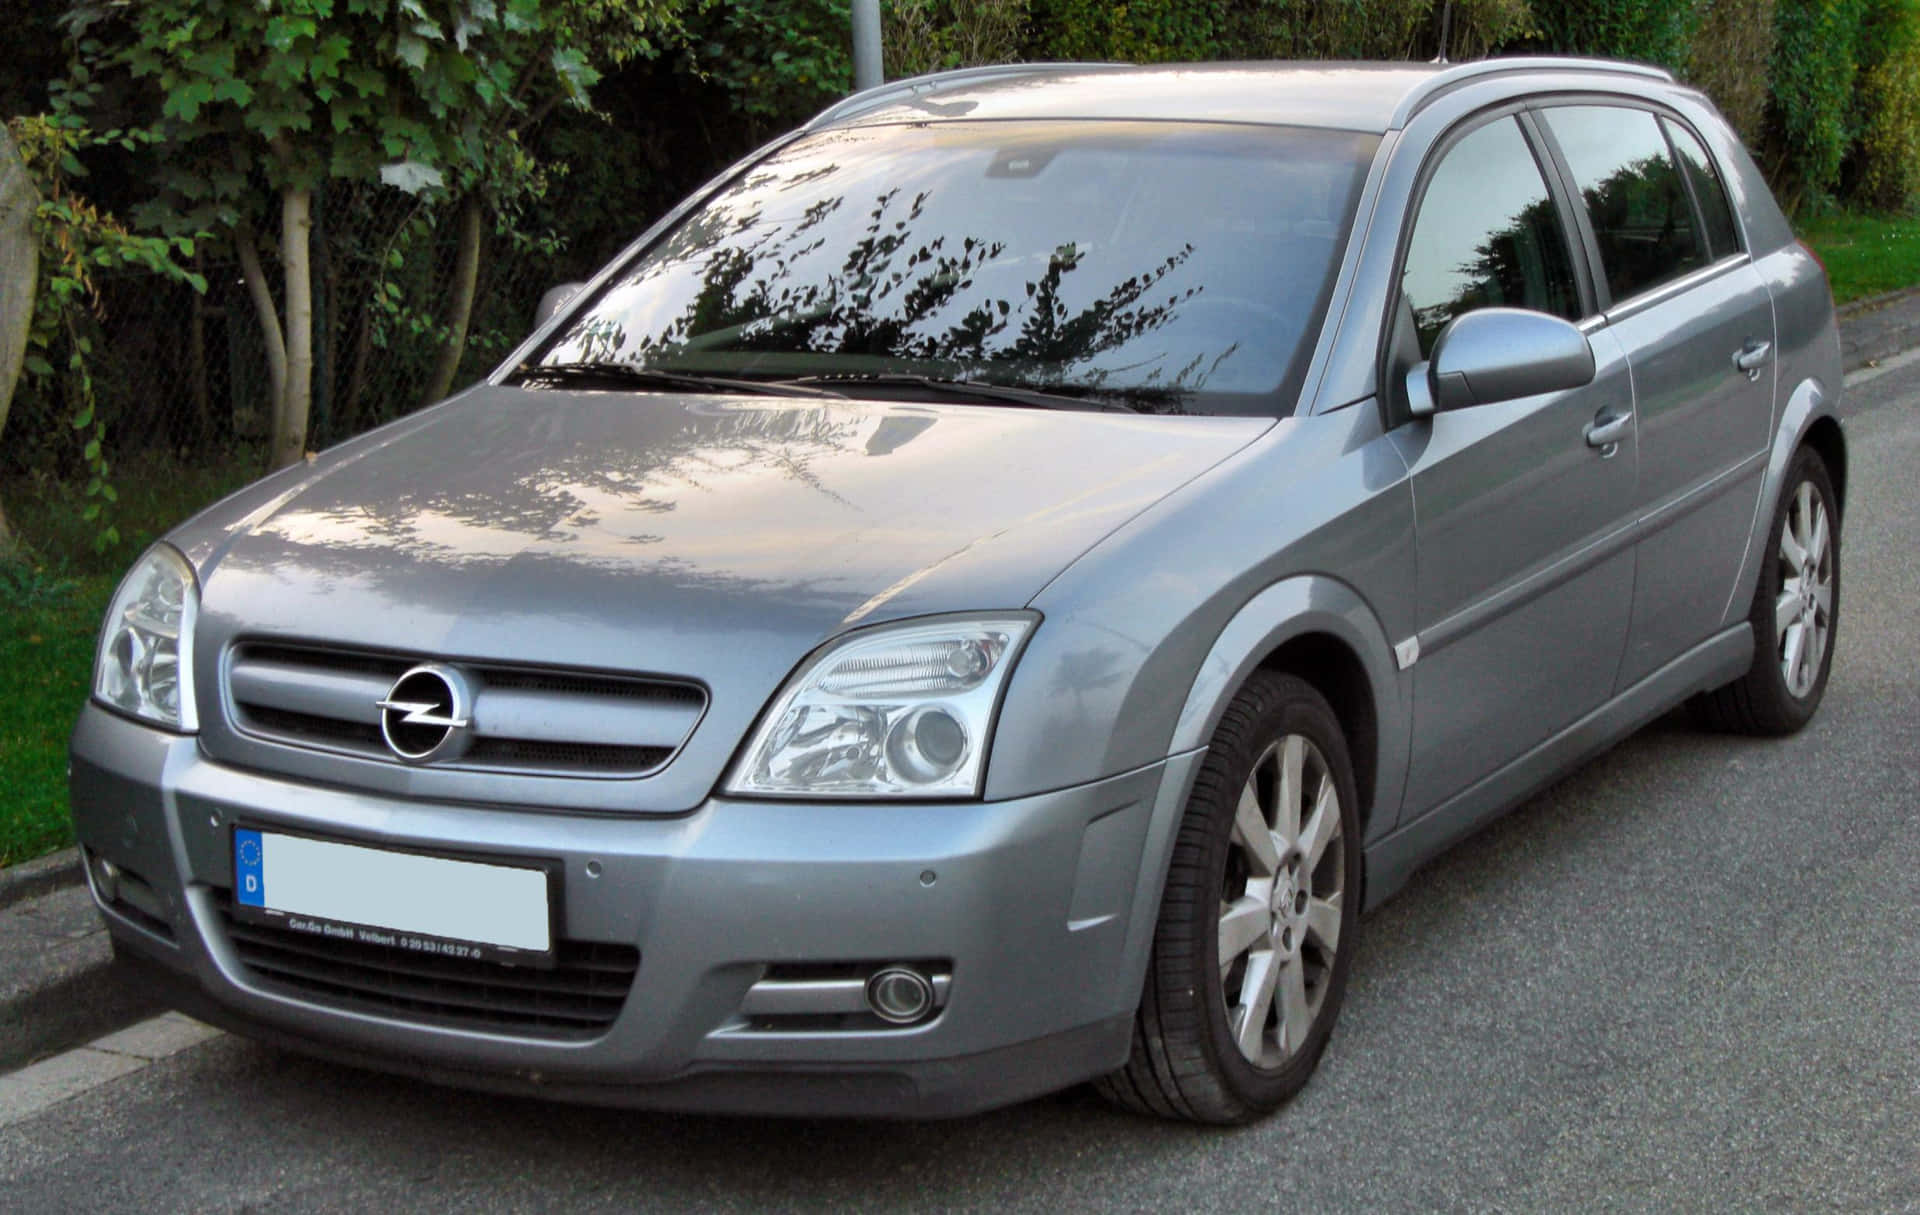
{"points": [[578, 999], [528, 721]]}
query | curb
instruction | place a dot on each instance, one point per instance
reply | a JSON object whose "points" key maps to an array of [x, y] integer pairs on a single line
{"points": [[31, 879], [1873, 303]]}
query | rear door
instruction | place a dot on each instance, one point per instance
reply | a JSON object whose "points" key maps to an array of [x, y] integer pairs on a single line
{"points": [[1696, 321], [1525, 561]]}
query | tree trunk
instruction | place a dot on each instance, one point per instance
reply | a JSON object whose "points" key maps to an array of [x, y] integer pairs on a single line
{"points": [[262, 296], [19, 270], [466, 273], [296, 262]]}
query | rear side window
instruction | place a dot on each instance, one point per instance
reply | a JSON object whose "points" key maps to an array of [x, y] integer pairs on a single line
{"points": [[1633, 194], [1715, 211], [1487, 235]]}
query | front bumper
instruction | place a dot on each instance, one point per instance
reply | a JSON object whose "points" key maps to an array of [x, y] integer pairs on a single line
{"points": [[1041, 906]]}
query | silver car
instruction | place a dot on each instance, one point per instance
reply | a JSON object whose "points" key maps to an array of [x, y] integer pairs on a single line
{"points": [[984, 595]]}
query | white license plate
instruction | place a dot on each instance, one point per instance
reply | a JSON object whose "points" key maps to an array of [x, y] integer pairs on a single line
{"points": [[401, 900]]}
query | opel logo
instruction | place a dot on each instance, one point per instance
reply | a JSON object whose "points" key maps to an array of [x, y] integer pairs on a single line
{"points": [[427, 715]]}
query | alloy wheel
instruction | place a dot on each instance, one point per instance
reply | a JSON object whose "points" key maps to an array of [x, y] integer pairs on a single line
{"points": [[1803, 610], [1280, 906]]}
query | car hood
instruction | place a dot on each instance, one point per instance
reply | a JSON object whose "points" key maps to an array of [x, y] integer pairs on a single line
{"points": [[715, 538]]}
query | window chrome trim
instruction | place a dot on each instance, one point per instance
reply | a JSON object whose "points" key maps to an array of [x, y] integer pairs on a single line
{"points": [[1653, 297]]}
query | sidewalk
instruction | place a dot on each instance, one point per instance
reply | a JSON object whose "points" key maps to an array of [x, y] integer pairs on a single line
{"points": [[56, 986]]}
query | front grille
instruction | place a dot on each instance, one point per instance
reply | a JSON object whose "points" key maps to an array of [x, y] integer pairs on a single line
{"points": [[577, 999], [525, 720]]}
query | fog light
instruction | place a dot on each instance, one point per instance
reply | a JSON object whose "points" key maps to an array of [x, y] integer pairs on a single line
{"points": [[899, 995], [106, 878]]}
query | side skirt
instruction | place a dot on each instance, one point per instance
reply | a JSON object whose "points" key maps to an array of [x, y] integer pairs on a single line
{"points": [[1393, 858]]}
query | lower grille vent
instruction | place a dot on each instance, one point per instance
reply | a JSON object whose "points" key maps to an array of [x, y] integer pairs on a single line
{"points": [[577, 999]]}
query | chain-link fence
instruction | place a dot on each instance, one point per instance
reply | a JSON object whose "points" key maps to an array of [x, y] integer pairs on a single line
{"points": [[186, 374]]}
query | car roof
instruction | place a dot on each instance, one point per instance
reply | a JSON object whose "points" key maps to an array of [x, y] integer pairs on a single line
{"points": [[1346, 95]]}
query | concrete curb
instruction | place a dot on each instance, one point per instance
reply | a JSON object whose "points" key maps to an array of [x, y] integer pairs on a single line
{"points": [[60, 990], [57, 985], [30, 879]]}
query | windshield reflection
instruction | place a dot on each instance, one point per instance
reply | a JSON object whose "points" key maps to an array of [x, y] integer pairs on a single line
{"points": [[1173, 267]]}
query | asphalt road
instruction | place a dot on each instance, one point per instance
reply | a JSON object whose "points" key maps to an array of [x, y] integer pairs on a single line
{"points": [[1688, 977]]}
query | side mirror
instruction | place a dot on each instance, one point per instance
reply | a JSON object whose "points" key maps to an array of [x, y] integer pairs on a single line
{"points": [[553, 301], [1500, 354]]}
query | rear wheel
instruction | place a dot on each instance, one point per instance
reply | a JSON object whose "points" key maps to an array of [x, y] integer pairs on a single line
{"points": [[1796, 608], [1259, 918]]}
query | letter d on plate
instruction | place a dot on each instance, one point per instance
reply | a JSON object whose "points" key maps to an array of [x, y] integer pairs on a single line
{"points": [[249, 883]]}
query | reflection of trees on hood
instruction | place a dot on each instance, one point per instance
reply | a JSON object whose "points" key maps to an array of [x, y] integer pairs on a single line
{"points": [[539, 490]]}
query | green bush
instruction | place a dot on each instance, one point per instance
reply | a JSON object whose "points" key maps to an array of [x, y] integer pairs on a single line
{"points": [[1645, 30], [934, 35], [1150, 31], [1728, 60], [1811, 92], [1885, 168]]}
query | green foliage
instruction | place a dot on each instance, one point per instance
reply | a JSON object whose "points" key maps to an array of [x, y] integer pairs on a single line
{"points": [[1171, 30], [408, 91], [1147, 31], [1811, 83], [1728, 60], [934, 35], [1886, 172], [1646, 30], [778, 62], [78, 241]]}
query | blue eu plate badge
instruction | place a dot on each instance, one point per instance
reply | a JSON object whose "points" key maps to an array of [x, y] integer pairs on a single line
{"points": [[249, 883]]}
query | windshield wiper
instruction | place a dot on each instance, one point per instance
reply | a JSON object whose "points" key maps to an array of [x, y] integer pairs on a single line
{"points": [[626, 375], [975, 390]]}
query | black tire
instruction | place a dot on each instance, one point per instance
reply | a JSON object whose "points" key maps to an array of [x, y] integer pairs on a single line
{"points": [[1762, 701], [1186, 1061]]}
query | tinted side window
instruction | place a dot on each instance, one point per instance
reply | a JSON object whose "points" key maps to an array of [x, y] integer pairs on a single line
{"points": [[1633, 194], [1488, 235], [1715, 211]]}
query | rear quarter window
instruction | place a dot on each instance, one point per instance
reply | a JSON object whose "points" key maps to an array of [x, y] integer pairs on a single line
{"points": [[1716, 213]]}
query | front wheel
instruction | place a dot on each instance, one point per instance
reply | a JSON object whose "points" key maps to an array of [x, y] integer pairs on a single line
{"points": [[1259, 918], [1796, 609]]}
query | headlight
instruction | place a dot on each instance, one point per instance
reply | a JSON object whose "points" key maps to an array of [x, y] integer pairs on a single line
{"points": [[145, 663], [901, 711]]}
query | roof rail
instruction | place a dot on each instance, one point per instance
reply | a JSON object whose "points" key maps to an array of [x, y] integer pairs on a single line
{"points": [[1458, 74], [913, 86]]}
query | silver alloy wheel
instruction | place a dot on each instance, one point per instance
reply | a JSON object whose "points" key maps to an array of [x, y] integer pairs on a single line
{"points": [[1280, 907], [1803, 611]]}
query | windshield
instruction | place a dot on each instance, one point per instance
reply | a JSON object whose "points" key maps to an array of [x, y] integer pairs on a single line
{"points": [[1170, 267]]}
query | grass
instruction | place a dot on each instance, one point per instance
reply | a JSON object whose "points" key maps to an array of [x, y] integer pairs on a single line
{"points": [[46, 640], [54, 587], [1866, 255]]}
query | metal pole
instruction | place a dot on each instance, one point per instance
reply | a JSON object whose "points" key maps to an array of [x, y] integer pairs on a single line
{"points": [[866, 43]]}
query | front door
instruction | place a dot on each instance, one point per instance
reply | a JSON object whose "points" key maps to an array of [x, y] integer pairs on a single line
{"points": [[1525, 530]]}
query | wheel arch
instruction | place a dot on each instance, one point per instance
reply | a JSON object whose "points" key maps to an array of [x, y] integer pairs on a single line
{"points": [[1320, 629], [1809, 419]]}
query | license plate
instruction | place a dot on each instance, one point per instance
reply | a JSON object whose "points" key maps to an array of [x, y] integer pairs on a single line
{"points": [[400, 900]]}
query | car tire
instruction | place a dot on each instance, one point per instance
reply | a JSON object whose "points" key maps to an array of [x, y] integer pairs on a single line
{"points": [[1795, 614], [1227, 1043]]}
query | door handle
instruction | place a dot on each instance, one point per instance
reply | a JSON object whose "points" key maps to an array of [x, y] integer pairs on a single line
{"points": [[1751, 357], [1606, 431]]}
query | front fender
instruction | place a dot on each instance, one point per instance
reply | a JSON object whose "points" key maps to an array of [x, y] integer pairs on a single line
{"points": [[1298, 607]]}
